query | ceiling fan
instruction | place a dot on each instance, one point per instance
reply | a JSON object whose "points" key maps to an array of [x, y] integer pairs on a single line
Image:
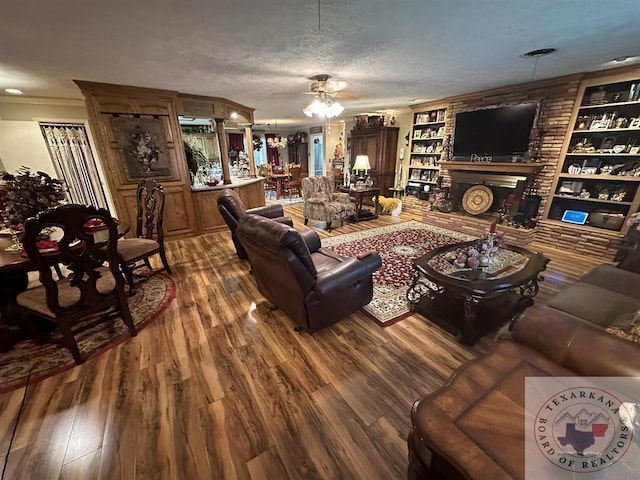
{"points": [[324, 91], [321, 85]]}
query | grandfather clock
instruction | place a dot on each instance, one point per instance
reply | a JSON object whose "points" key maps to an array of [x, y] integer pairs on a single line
{"points": [[380, 144]]}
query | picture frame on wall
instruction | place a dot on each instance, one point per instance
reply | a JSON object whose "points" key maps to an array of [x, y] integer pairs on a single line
{"points": [[143, 145]]}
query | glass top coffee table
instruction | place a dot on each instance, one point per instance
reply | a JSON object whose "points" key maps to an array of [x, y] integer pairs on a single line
{"points": [[469, 302]]}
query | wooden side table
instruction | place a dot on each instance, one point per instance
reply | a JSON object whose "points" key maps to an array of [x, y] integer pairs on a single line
{"points": [[359, 195]]}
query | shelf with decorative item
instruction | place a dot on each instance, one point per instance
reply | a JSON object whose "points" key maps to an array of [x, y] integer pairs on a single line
{"points": [[605, 130], [427, 153], [602, 154], [596, 200], [609, 105], [425, 139], [423, 181], [426, 124], [602, 177]]}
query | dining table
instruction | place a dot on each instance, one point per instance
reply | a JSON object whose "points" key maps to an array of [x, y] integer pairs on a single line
{"points": [[14, 279], [280, 179]]}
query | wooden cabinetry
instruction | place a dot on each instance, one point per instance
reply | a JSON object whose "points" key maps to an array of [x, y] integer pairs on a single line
{"points": [[599, 168], [299, 154], [426, 146], [380, 144]]}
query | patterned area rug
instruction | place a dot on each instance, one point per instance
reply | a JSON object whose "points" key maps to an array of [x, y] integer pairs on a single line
{"points": [[397, 245], [284, 200], [151, 299]]}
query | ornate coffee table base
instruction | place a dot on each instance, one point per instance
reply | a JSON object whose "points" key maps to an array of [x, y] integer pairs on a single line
{"points": [[470, 303], [469, 318]]}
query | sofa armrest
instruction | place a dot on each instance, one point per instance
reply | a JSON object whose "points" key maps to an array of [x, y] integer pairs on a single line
{"points": [[575, 344], [346, 273], [269, 211], [631, 260], [312, 239]]}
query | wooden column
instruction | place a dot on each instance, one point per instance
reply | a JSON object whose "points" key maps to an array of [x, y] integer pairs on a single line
{"points": [[248, 134], [224, 151]]}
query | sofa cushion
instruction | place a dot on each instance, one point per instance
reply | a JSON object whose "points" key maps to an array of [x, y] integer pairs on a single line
{"points": [[593, 303], [616, 279]]}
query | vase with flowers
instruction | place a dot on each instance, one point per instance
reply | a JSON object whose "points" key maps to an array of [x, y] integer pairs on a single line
{"points": [[25, 194]]}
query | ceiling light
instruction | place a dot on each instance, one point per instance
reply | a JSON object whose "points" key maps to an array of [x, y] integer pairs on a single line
{"points": [[13, 91], [277, 141], [323, 106], [234, 115]]}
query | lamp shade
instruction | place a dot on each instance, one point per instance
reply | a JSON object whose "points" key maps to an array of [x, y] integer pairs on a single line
{"points": [[362, 163]]}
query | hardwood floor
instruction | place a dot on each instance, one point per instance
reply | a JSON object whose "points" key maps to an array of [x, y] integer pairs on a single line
{"points": [[221, 387]]}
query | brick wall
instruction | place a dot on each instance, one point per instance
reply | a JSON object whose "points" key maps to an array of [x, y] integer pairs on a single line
{"points": [[557, 97]]}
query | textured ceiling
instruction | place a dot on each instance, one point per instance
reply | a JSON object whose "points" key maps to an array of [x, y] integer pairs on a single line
{"points": [[260, 53]]}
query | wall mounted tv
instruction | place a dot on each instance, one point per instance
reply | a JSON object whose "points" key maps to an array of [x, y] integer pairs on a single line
{"points": [[499, 132]]}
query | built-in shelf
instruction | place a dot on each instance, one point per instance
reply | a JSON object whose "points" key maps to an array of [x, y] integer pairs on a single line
{"points": [[422, 181], [600, 154], [572, 197], [589, 118], [608, 105], [425, 167], [602, 177], [601, 231], [425, 153], [606, 130], [428, 124], [427, 139]]}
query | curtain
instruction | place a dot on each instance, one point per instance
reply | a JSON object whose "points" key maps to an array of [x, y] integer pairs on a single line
{"points": [[273, 157], [69, 148], [236, 142]]}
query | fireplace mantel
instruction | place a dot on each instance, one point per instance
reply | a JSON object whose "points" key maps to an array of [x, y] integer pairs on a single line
{"points": [[495, 167]]}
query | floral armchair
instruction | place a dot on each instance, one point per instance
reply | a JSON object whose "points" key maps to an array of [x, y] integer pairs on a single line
{"points": [[322, 203]]}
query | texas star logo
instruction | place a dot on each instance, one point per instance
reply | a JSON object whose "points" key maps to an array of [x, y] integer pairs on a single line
{"points": [[583, 429]]}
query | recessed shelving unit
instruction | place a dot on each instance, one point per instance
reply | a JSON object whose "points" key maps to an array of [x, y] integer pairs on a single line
{"points": [[426, 145], [599, 168]]}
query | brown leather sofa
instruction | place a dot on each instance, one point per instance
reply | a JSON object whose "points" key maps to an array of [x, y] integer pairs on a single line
{"points": [[313, 286], [232, 210], [473, 427]]}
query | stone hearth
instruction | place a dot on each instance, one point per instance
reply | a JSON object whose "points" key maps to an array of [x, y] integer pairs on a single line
{"points": [[478, 227]]}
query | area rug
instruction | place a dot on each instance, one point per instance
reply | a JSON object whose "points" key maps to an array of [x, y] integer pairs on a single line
{"points": [[28, 360], [397, 245], [284, 201]]}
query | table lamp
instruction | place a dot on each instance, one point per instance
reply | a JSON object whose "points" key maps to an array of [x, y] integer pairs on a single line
{"points": [[362, 164]]}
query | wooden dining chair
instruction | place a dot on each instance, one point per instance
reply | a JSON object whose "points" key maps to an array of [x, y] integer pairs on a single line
{"points": [[293, 185], [149, 239], [93, 290], [270, 185]]}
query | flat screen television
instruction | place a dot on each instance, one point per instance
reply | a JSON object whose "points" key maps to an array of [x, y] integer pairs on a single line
{"points": [[500, 132]]}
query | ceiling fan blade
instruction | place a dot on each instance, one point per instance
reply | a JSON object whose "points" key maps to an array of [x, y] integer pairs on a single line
{"points": [[347, 96]]}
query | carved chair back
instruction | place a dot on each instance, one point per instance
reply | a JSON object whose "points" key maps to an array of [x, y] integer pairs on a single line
{"points": [[82, 250], [150, 210]]}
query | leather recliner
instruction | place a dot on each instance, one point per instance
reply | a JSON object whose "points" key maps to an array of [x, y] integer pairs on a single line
{"points": [[232, 210], [312, 285]]}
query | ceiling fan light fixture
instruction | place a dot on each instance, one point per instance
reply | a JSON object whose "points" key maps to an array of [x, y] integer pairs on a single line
{"points": [[323, 107]]}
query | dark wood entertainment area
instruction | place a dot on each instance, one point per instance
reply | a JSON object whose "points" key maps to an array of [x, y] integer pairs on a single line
{"points": [[569, 166]]}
